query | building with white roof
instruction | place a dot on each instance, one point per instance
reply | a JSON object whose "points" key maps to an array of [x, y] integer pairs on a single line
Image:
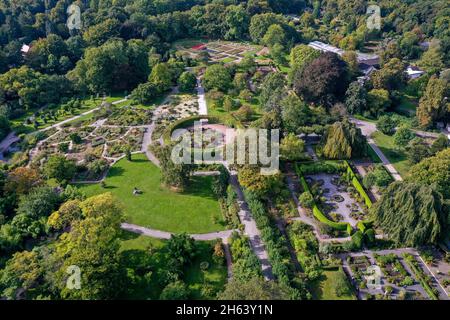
{"points": [[25, 48], [414, 72], [365, 58]]}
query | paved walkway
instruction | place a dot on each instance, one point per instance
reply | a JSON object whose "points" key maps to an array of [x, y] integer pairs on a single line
{"points": [[399, 252], [202, 109], [251, 230], [311, 152], [224, 235], [206, 173], [147, 142], [367, 129], [56, 125]]}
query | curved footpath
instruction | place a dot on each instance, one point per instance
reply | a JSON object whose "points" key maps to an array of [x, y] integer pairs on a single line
{"points": [[224, 235]]}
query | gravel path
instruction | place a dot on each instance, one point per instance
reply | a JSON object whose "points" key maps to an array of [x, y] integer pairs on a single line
{"points": [[202, 109], [251, 230], [79, 116], [224, 235], [367, 129]]}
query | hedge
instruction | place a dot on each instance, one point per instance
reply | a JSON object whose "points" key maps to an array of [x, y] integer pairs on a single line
{"points": [[186, 122], [317, 212], [323, 166], [271, 236], [419, 275], [358, 185], [189, 121]]}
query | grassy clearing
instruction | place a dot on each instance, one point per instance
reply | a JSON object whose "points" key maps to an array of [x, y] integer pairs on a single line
{"points": [[132, 241], [215, 275], [194, 211], [139, 253], [323, 288], [397, 157]]}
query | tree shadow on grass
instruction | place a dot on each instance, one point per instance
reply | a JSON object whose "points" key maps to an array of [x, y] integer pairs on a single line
{"points": [[201, 187], [115, 171], [109, 187], [139, 160], [316, 290], [127, 235]]}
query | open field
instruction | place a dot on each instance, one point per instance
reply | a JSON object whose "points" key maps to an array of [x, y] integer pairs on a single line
{"points": [[194, 211], [323, 289]]}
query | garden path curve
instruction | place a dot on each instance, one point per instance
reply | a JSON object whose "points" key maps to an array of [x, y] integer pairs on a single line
{"points": [[224, 235], [367, 128]]}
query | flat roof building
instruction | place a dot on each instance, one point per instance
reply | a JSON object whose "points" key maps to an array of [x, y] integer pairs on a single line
{"points": [[366, 58]]}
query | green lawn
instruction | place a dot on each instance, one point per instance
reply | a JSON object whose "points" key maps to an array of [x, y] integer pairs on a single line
{"points": [[142, 254], [228, 59], [132, 241], [194, 211], [323, 288], [215, 275], [396, 157]]}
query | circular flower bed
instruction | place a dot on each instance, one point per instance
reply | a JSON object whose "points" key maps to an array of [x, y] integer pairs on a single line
{"points": [[337, 198]]}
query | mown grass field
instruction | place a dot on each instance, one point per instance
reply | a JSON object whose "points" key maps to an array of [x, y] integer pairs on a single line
{"points": [[323, 288], [396, 157], [194, 211]]}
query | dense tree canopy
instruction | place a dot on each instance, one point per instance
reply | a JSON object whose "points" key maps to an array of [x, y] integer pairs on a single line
{"points": [[217, 77], [434, 170], [344, 140], [92, 244], [433, 106], [412, 214], [115, 65], [254, 289], [322, 80]]}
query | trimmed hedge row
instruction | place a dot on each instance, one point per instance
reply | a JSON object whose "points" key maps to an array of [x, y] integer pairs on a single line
{"points": [[271, 237], [344, 226], [358, 185], [330, 166], [411, 262], [186, 122]]}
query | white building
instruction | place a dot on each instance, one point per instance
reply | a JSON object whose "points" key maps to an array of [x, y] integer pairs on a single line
{"points": [[25, 48], [365, 58], [414, 72]]}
